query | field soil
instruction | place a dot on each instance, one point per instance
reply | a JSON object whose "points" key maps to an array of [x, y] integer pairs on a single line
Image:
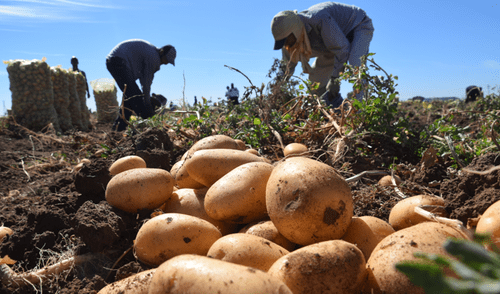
{"points": [[57, 211]]}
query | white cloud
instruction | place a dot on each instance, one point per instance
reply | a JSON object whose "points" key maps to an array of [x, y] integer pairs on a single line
{"points": [[51, 10], [492, 64]]}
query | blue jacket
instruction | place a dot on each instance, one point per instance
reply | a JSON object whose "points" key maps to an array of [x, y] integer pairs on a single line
{"points": [[142, 59]]}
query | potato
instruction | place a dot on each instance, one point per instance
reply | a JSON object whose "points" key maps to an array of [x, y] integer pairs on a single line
{"points": [[378, 226], [332, 266], [426, 237], [215, 142], [191, 202], [308, 201], [139, 188], [360, 234], [241, 144], [387, 180], [126, 163], [403, 214], [171, 234], [182, 178], [489, 223], [192, 274], [4, 231], [248, 250], [267, 230], [240, 195], [252, 151], [208, 166], [295, 149], [135, 284]]}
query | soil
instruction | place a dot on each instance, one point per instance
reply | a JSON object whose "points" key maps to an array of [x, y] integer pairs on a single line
{"points": [[56, 210]]}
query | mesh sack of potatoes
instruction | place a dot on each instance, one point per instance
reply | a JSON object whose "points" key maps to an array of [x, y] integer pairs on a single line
{"points": [[74, 103], [105, 99], [32, 94], [81, 90], [60, 86]]}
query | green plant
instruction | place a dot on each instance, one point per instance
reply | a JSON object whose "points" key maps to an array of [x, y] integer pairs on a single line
{"points": [[476, 270]]}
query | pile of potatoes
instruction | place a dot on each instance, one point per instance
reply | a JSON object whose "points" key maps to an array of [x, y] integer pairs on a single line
{"points": [[43, 95], [105, 99], [81, 90], [233, 222], [74, 103], [32, 93], [60, 86]]}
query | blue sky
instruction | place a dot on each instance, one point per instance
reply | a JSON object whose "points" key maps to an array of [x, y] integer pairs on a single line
{"points": [[436, 47]]}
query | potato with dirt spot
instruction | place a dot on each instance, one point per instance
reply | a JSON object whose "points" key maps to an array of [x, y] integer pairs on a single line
{"points": [[192, 274], [334, 266], [171, 234], [240, 195], [248, 250], [308, 201], [126, 163], [139, 188]]}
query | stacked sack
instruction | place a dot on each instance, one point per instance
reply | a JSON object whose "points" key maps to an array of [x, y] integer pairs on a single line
{"points": [[81, 90], [60, 88], [74, 103], [105, 99], [32, 94]]}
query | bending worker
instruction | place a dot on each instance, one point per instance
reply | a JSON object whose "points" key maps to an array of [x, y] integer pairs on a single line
{"points": [[334, 33], [137, 59]]}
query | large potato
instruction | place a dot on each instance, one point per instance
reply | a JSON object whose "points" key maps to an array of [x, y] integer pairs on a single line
{"points": [[267, 230], [403, 214], [139, 188], [240, 195], [248, 250], [191, 202], [208, 166], [171, 234], [399, 246], [126, 163], [135, 284], [308, 201], [332, 266], [192, 274]]}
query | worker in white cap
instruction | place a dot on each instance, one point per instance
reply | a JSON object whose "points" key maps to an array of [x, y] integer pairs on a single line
{"points": [[334, 33]]}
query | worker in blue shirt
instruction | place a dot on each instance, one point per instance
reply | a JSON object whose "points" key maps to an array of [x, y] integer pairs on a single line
{"points": [[334, 33], [137, 59]]}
